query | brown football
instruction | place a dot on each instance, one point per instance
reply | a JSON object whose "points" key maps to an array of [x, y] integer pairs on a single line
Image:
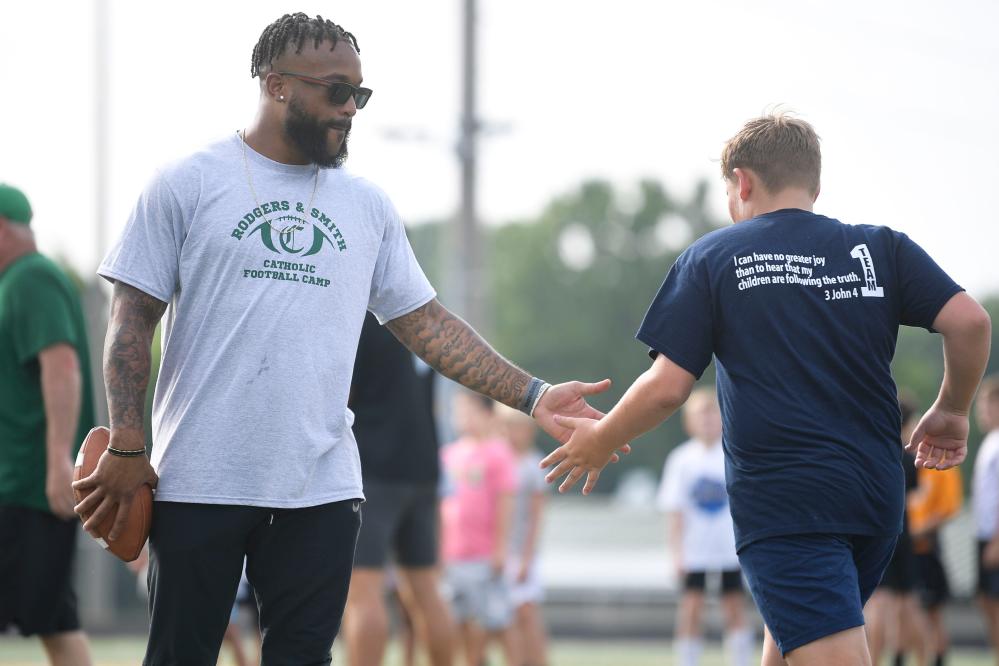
{"points": [[129, 543]]}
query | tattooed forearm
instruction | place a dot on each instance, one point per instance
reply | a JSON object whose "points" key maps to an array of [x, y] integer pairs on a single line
{"points": [[134, 315], [454, 349]]}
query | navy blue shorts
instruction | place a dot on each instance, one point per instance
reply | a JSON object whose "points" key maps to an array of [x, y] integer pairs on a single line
{"points": [[808, 586]]}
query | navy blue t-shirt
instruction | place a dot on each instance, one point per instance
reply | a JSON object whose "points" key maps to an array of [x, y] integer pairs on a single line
{"points": [[802, 313]]}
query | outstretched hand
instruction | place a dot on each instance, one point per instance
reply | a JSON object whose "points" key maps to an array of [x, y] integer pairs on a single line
{"points": [[940, 441], [583, 454], [569, 399]]}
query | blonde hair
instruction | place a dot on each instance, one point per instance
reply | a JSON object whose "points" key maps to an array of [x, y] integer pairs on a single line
{"points": [[700, 396], [782, 150]]}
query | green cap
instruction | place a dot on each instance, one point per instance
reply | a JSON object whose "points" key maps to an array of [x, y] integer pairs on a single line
{"points": [[14, 205]]}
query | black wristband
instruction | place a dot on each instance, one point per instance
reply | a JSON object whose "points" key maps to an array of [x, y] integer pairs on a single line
{"points": [[533, 388], [127, 453]]}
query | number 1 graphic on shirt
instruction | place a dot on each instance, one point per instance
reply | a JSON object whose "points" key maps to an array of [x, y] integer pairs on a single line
{"points": [[870, 287]]}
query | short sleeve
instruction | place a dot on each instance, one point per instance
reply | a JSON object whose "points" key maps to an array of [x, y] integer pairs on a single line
{"points": [[147, 255], [670, 495], [679, 321], [924, 287], [398, 285], [43, 315]]}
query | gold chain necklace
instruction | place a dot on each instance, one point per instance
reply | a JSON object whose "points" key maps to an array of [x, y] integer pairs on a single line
{"points": [[253, 191]]}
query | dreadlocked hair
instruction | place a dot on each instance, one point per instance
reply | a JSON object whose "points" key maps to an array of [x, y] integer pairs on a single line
{"points": [[295, 29]]}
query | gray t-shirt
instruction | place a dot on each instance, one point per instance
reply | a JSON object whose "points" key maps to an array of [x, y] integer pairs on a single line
{"points": [[266, 298]]}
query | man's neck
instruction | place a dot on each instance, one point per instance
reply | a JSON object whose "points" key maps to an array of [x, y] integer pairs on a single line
{"points": [[265, 137], [15, 251]]}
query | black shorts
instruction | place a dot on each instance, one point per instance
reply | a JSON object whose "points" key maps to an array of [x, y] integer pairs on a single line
{"points": [[931, 580], [900, 575], [36, 563], [297, 560], [988, 579], [729, 580], [401, 519]]}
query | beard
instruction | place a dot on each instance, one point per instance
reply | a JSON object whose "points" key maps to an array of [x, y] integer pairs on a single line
{"points": [[309, 135]]}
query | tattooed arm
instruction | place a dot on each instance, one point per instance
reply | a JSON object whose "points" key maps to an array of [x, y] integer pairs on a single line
{"points": [[453, 348], [134, 315]]}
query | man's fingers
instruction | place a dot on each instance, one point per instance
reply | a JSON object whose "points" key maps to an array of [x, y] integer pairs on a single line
{"points": [[89, 503], [558, 455], [586, 388], [97, 517], [574, 476], [625, 450], [120, 519], [86, 483], [591, 480]]}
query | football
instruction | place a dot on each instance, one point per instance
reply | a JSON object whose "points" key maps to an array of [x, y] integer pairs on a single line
{"points": [[129, 543]]}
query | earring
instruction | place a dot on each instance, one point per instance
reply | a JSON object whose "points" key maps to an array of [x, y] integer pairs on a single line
{"points": [[280, 98]]}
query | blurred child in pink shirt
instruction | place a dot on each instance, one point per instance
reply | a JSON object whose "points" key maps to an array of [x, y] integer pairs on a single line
{"points": [[480, 476]]}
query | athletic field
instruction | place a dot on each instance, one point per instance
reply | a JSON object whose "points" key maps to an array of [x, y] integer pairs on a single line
{"points": [[15, 651]]}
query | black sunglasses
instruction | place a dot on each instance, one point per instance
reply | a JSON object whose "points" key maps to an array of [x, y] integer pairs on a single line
{"points": [[338, 91]]}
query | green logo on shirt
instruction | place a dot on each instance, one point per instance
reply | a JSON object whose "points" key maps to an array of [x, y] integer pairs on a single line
{"points": [[301, 235]]}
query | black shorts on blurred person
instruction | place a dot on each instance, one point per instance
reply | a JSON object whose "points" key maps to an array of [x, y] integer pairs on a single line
{"points": [[729, 580], [36, 561], [398, 519], [934, 588]]}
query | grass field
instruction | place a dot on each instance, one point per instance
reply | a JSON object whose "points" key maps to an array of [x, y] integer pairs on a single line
{"points": [[15, 651]]}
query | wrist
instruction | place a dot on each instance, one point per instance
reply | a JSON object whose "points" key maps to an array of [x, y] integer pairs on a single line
{"points": [[605, 437], [947, 403], [532, 396]]}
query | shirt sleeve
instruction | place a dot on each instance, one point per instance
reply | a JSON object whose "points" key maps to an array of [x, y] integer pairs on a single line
{"points": [[924, 287], [679, 322], [398, 285], [147, 255], [42, 314]]}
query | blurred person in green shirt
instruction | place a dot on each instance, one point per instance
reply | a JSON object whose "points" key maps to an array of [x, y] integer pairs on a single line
{"points": [[46, 410]]}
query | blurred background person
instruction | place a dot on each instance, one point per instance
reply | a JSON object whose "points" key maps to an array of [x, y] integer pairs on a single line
{"points": [[523, 577], [46, 410], [475, 525], [985, 498], [895, 620], [392, 400], [693, 495], [937, 500]]}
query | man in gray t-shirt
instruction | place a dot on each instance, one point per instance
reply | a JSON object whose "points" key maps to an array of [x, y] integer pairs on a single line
{"points": [[265, 256]]}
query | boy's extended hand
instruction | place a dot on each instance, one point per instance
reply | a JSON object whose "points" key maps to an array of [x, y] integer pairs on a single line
{"points": [[569, 399], [583, 453]]}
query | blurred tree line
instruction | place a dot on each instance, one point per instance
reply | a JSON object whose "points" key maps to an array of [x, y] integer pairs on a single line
{"points": [[569, 288]]}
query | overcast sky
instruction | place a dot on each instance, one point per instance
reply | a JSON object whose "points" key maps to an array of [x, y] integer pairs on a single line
{"points": [[905, 96]]}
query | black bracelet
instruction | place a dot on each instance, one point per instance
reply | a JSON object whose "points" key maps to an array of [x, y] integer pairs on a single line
{"points": [[533, 388], [127, 453]]}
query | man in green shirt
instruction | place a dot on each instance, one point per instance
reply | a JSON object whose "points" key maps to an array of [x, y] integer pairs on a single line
{"points": [[46, 409]]}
